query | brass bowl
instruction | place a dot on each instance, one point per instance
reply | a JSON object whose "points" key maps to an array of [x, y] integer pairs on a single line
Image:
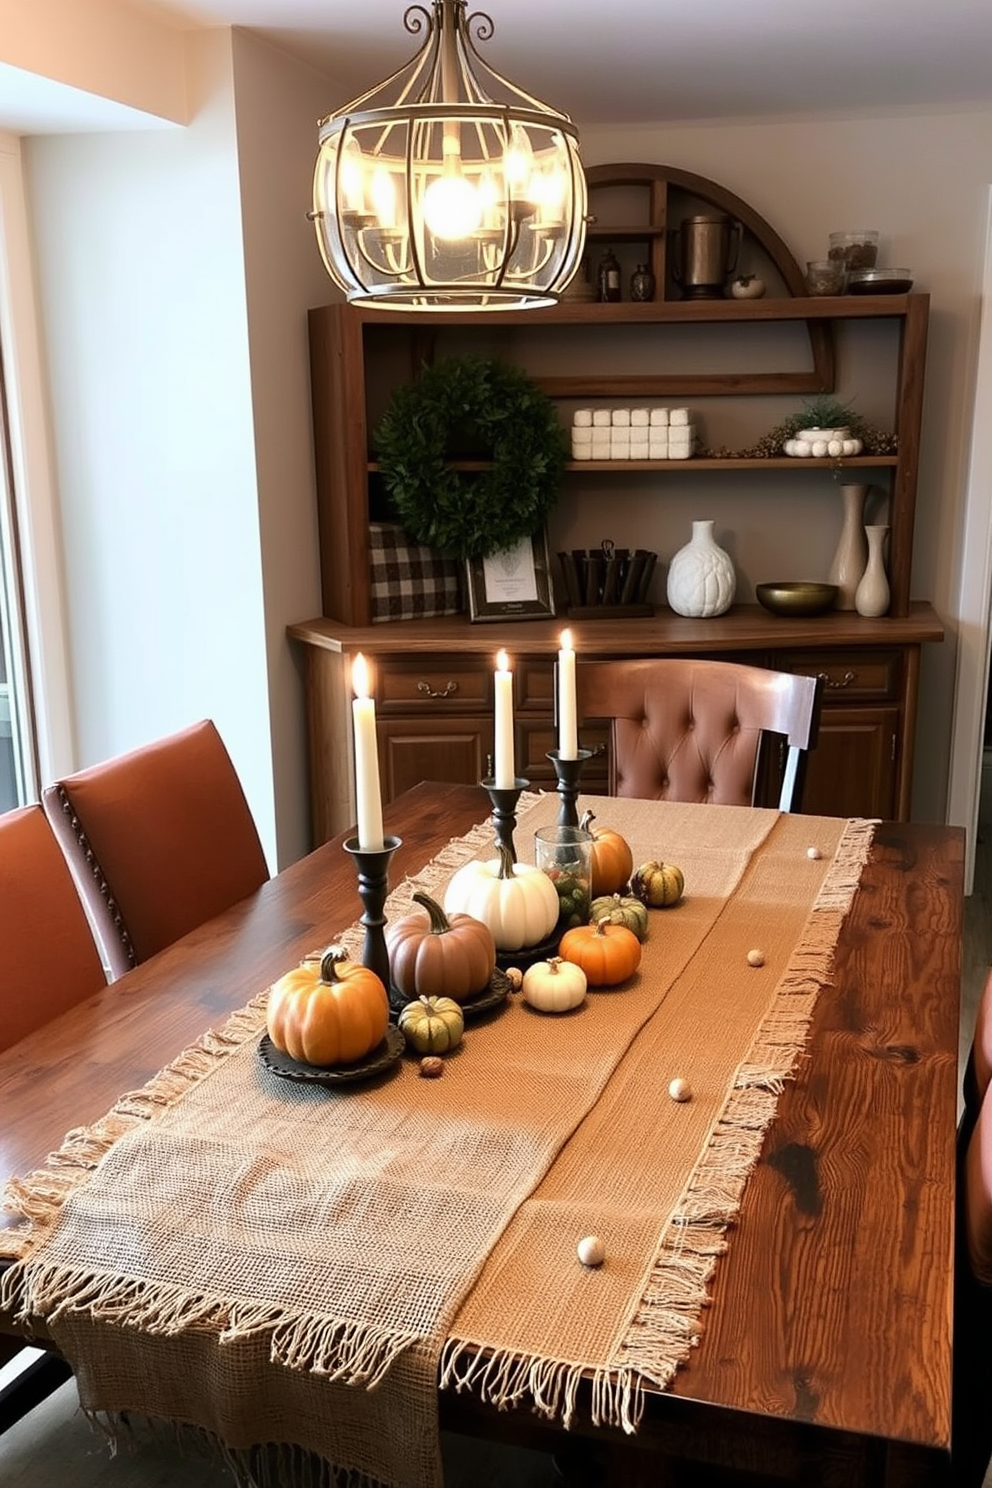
{"points": [[797, 598]]}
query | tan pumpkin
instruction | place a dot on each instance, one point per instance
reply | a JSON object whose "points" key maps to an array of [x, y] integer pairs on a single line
{"points": [[432, 1025], [607, 953], [433, 955], [328, 1011], [516, 900], [612, 859], [658, 885], [554, 986], [620, 909]]}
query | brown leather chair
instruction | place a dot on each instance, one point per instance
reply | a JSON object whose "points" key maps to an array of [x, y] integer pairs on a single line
{"points": [[978, 1073], [159, 841], [48, 957], [971, 1419], [686, 730], [48, 962]]}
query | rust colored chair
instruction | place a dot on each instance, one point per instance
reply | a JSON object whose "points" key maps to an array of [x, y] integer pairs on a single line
{"points": [[159, 841], [685, 730], [978, 1073], [971, 1418], [48, 962], [48, 957]]}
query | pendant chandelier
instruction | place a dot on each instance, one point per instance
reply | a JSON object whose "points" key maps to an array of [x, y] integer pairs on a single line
{"points": [[447, 187]]}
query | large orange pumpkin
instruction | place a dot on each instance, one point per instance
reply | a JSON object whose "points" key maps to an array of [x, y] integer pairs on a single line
{"points": [[434, 955], [607, 953], [612, 859], [331, 1011]]}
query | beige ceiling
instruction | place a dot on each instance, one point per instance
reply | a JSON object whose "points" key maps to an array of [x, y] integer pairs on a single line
{"points": [[657, 60]]}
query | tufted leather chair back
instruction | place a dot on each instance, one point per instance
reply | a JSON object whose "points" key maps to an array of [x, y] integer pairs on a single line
{"points": [[686, 730], [48, 957], [159, 840]]}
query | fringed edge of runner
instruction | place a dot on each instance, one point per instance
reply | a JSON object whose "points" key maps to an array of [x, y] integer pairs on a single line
{"points": [[664, 1327], [356, 1354], [39, 1196]]}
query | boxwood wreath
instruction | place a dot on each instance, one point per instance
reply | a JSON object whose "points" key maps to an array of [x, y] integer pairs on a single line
{"points": [[462, 408]]}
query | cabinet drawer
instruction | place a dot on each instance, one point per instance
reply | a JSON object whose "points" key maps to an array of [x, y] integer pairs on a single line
{"points": [[536, 737], [848, 674], [439, 684], [535, 677]]}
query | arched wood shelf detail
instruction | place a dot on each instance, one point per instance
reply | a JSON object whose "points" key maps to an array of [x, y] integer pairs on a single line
{"points": [[658, 179]]}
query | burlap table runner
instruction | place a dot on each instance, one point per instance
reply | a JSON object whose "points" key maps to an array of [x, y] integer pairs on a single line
{"points": [[277, 1264]]}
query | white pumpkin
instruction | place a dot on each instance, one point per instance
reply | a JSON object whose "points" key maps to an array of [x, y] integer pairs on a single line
{"points": [[517, 901], [554, 986]]}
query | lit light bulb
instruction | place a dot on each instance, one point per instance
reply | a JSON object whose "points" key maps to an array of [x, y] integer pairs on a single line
{"points": [[518, 161], [490, 198], [383, 193], [548, 190], [351, 176], [452, 207]]}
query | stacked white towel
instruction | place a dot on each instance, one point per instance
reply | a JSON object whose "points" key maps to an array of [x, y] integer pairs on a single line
{"points": [[642, 433]]}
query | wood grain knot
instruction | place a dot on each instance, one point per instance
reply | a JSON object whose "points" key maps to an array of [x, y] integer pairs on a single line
{"points": [[797, 1164], [899, 1053]]}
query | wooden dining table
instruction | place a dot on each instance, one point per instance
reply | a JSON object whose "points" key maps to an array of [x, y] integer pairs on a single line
{"points": [[825, 1355]]}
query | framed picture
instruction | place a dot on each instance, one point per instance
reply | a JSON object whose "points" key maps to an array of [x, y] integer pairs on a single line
{"points": [[512, 585]]}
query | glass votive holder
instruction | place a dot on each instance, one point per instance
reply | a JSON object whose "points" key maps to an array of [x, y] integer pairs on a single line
{"points": [[826, 276], [565, 855]]}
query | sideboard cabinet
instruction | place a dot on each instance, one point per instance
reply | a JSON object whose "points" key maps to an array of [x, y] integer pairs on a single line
{"points": [[433, 688]]}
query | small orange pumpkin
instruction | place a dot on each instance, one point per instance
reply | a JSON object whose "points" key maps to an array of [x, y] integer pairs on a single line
{"points": [[436, 955], [331, 1011], [607, 953], [612, 859]]}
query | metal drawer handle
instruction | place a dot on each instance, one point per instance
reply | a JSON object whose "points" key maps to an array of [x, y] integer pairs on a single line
{"points": [[446, 691], [845, 681]]}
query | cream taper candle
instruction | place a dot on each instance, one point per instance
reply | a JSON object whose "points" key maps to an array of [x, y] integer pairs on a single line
{"points": [[505, 772], [568, 728], [367, 795]]}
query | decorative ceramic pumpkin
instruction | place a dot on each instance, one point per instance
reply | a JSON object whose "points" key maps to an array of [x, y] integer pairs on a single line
{"points": [[621, 909], [432, 955], [612, 858], [607, 953], [658, 885], [516, 900], [554, 986], [432, 1025], [331, 1011]]}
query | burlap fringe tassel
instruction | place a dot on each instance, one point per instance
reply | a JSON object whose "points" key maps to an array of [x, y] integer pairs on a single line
{"points": [[664, 1326]]}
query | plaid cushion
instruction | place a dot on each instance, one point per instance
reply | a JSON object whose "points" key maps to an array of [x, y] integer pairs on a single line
{"points": [[410, 581]]}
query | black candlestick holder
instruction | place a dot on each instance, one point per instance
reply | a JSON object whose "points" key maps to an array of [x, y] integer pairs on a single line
{"points": [[569, 772], [372, 867], [504, 799]]}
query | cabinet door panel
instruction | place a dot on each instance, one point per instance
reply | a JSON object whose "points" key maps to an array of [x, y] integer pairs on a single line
{"points": [[413, 750], [852, 770]]}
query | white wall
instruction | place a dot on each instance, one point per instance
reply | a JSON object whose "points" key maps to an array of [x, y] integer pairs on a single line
{"points": [[922, 180], [175, 315], [142, 283], [278, 102]]}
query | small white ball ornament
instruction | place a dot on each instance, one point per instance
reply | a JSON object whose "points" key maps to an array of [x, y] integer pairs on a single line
{"points": [[755, 958], [591, 1251], [680, 1090], [814, 853]]}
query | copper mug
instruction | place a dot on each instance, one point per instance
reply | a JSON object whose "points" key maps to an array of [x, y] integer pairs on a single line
{"points": [[709, 246]]}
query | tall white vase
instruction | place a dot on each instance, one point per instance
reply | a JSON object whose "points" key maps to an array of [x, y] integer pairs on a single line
{"points": [[849, 560], [872, 597], [701, 577]]}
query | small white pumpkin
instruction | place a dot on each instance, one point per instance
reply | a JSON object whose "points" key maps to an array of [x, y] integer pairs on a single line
{"points": [[554, 986], [517, 901]]}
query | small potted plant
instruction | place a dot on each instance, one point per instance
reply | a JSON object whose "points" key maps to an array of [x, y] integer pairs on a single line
{"points": [[821, 428]]}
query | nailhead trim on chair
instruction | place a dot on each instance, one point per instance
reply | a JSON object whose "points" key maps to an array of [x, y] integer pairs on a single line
{"points": [[101, 882]]}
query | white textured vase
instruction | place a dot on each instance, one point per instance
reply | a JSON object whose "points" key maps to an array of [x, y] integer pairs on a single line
{"points": [[701, 577], [872, 597], [851, 556]]}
